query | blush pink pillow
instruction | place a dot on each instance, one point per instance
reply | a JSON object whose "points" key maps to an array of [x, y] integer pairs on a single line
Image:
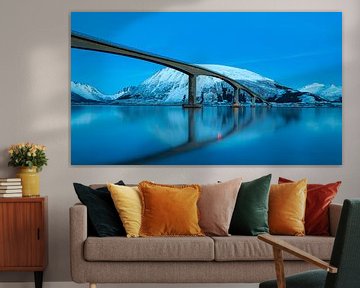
{"points": [[216, 206]]}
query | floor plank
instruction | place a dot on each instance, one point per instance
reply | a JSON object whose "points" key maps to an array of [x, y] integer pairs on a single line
{"points": [[74, 285]]}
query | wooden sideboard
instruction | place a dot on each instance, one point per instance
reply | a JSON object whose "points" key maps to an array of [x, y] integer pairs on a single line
{"points": [[23, 235]]}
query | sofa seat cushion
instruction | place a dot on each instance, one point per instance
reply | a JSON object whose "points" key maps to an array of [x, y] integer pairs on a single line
{"points": [[149, 249], [244, 248]]}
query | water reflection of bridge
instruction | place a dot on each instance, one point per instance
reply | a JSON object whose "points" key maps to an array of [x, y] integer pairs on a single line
{"points": [[86, 42], [239, 123]]}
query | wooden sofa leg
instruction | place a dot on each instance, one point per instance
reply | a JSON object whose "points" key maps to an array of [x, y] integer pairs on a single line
{"points": [[92, 285]]}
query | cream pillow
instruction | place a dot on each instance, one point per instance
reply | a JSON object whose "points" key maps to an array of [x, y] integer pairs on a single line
{"points": [[127, 201]]}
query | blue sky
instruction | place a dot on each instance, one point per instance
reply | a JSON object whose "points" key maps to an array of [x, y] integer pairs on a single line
{"points": [[294, 49]]}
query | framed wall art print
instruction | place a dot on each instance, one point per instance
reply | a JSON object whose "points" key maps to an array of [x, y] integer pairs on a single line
{"points": [[206, 88]]}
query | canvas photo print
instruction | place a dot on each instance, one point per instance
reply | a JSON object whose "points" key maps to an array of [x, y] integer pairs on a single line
{"points": [[206, 88]]}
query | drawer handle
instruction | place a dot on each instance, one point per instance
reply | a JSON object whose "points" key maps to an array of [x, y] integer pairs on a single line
{"points": [[38, 234]]}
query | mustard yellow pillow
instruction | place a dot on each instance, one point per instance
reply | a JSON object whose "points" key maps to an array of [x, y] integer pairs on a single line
{"points": [[169, 210], [287, 204], [127, 201]]}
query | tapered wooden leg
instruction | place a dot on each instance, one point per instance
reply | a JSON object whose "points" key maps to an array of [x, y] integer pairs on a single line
{"points": [[38, 275], [279, 267], [92, 285]]}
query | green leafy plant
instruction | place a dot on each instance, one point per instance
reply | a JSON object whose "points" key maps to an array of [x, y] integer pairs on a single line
{"points": [[27, 155]]}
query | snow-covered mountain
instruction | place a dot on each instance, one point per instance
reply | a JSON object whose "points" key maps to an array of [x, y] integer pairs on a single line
{"points": [[83, 92], [169, 86], [329, 92]]}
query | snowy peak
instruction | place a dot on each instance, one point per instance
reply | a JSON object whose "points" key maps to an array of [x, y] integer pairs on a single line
{"points": [[166, 75], [328, 92], [89, 92], [86, 91], [169, 75], [312, 88], [235, 73]]}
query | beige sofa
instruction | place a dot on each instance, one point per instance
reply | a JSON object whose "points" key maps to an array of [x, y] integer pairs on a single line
{"points": [[234, 259]]}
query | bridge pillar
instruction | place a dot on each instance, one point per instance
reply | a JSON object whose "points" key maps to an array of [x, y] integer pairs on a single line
{"points": [[236, 103], [192, 93], [253, 100]]}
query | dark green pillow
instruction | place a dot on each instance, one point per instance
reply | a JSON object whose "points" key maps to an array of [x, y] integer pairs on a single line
{"points": [[102, 215], [250, 215]]}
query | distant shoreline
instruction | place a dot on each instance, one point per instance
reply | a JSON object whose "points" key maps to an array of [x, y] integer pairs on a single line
{"points": [[333, 105]]}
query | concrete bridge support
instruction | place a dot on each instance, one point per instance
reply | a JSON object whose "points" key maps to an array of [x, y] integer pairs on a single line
{"points": [[253, 100], [236, 102], [192, 93]]}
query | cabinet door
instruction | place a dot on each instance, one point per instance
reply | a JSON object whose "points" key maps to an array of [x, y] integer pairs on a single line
{"points": [[21, 234]]}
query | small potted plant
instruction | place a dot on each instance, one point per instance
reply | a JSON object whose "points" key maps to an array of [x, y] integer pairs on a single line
{"points": [[30, 158]]}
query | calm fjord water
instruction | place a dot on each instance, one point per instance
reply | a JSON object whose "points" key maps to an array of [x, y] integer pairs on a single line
{"points": [[110, 135]]}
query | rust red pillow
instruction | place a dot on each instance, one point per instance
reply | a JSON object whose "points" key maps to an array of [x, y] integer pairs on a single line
{"points": [[319, 197]]}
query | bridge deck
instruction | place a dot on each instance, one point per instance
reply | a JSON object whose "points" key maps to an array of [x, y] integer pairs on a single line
{"points": [[81, 41]]}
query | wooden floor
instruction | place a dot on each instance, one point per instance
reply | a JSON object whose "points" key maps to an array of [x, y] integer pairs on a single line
{"points": [[74, 285]]}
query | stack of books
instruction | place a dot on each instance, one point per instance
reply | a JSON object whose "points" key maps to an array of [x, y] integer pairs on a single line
{"points": [[10, 187]]}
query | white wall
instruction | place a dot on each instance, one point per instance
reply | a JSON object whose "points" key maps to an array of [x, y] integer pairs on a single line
{"points": [[34, 105]]}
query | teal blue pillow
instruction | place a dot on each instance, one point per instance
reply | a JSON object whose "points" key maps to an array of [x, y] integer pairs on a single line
{"points": [[250, 216]]}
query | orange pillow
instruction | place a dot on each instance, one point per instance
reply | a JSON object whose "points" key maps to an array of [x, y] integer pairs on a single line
{"points": [[169, 210], [287, 204], [318, 200]]}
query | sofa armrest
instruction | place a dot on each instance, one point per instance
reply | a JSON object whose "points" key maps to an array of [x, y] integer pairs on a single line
{"points": [[78, 235], [334, 217]]}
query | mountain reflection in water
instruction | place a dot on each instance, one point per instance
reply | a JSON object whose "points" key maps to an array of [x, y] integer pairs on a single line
{"points": [[111, 135]]}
